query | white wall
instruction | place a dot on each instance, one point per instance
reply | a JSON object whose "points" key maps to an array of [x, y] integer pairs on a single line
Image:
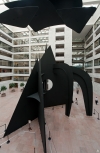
{"points": [[67, 42], [68, 46]]}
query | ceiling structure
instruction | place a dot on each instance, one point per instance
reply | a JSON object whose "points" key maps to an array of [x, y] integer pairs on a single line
{"points": [[81, 36]]}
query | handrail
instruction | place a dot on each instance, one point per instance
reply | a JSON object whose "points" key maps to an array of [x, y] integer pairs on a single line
{"points": [[95, 113]]}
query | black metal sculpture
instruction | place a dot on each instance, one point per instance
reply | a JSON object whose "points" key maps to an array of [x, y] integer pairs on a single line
{"points": [[44, 13], [40, 14], [35, 98]]}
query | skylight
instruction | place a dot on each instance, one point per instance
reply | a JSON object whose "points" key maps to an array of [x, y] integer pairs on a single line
{"points": [[91, 5], [5, 1]]}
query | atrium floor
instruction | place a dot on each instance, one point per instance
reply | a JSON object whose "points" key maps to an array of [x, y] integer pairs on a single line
{"points": [[75, 134]]}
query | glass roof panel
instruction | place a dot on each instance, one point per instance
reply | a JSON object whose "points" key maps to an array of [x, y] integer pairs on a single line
{"points": [[5, 1]]}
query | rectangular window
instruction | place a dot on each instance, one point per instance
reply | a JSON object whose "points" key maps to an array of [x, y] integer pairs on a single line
{"points": [[59, 46], [59, 38], [97, 62], [97, 80], [59, 29], [60, 54]]}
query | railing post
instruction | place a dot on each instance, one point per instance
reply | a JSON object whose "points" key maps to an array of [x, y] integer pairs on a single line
{"points": [[8, 139], [49, 136], [94, 111], [98, 116], [5, 128], [34, 150]]}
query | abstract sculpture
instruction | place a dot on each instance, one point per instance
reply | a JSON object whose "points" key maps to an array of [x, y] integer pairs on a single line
{"points": [[40, 14], [35, 97]]}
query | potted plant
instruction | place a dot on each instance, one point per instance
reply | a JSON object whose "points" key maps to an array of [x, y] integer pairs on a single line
{"points": [[12, 87], [3, 88], [22, 85]]}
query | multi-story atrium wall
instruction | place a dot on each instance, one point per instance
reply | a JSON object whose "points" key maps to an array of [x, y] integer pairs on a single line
{"points": [[92, 54], [19, 51]]}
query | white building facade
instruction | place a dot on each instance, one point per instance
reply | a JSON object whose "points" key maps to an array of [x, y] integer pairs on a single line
{"points": [[19, 50], [92, 55]]}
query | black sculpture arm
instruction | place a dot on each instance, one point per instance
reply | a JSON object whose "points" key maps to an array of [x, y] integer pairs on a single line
{"points": [[69, 76], [85, 82]]}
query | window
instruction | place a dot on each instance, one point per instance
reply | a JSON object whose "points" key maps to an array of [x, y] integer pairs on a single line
{"points": [[97, 62], [97, 23], [59, 30], [97, 43], [59, 38], [59, 54], [89, 64], [59, 46]]}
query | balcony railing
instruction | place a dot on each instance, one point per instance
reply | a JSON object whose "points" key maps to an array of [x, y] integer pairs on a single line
{"points": [[79, 65], [97, 70], [41, 32], [5, 70], [21, 41], [38, 48], [89, 70], [5, 63], [97, 43], [97, 80], [6, 30], [5, 46], [36, 56], [21, 71], [5, 78], [97, 23], [90, 48], [21, 64], [40, 40], [5, 54], [21, 49], [23, 78], [97, 62], [89, 34], [21, 56], [89, 64], [21, 34]]}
